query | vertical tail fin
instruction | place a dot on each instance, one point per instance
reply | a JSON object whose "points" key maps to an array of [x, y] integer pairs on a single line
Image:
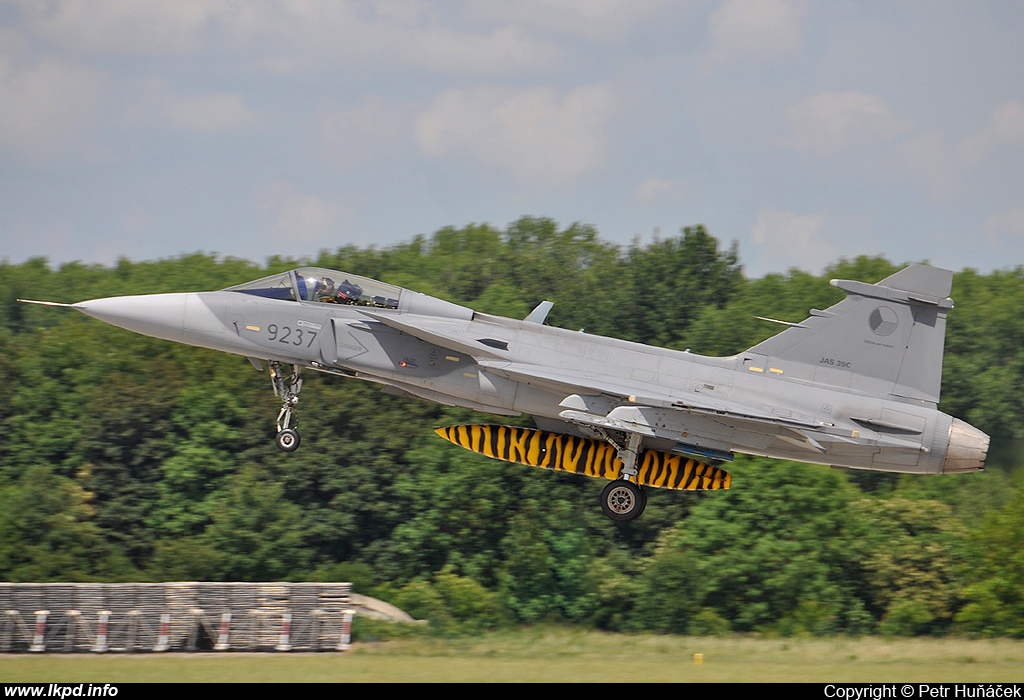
{"points": [[886, 338]]}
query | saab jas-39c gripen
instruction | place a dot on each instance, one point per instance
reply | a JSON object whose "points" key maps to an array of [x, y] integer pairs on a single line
{"points": [[853, 386]]}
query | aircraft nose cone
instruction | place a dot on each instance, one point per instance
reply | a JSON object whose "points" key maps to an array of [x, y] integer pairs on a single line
{"points": [[157, 315]]}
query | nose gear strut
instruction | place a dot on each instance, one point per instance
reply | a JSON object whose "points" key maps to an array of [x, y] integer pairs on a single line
{"points": [[287, 387]]}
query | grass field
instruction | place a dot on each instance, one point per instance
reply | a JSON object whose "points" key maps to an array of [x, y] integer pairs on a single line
{"points": [[557, 654]]}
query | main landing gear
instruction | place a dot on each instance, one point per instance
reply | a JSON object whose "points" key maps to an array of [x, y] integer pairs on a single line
{"points": [[622, 500], [287, 387]]}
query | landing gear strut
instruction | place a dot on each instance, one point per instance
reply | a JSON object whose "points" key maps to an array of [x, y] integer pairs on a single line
{"points": [[623, 500], [287, 387]]}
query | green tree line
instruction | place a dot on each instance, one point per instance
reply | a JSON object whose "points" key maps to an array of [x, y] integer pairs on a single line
{"points": [[130, 458]]}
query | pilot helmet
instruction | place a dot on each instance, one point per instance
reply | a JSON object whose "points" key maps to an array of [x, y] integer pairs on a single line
{"points": [[325, 285]]}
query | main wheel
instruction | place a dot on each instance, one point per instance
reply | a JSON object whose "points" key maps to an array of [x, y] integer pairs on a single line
{"points": [[288, 440], [623, 500]]}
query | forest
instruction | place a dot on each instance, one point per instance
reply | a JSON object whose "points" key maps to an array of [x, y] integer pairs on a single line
{"points": [[128, 458]]}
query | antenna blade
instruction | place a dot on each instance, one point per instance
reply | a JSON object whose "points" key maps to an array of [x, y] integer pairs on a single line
{"points": [[784, 323]]}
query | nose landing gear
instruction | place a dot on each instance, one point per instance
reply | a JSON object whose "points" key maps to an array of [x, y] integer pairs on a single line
{"points": [[287, 388], [287, 440]]}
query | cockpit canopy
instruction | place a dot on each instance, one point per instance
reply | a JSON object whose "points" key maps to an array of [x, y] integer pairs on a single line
{"points": [[325, 286]]}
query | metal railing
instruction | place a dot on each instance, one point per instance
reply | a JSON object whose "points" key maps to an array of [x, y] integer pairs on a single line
{"points": [[181, 616]]}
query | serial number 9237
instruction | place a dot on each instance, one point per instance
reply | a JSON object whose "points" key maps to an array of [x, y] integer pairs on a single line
{"points": [[289, 336]]}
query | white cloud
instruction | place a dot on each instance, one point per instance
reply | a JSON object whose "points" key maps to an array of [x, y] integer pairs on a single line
{"points": [[137, 222], [1006, 223], [125, 26], [927, 160], [784, 240], [654, 188], [408, 12], [1005, 127], [45, 104], [503, 50], [1007, 123], [828, 123], [204, 114], [299, 218], [756, 29], [542, 138], [402, 35], [603, 20], [354, 135], [864, 127], [285, 35]]}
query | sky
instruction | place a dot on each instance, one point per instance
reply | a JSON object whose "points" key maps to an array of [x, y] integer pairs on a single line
{"points": [[804, 131]]}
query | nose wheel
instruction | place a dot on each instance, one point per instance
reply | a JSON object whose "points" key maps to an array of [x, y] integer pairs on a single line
{"points": [[287, 388], [287, 440]]}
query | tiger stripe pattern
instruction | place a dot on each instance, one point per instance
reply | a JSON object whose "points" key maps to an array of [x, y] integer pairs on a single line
{"points": [[581, 455]]}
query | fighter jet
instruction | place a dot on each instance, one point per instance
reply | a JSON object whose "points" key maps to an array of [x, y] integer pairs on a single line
{"points": [[854, 386]]}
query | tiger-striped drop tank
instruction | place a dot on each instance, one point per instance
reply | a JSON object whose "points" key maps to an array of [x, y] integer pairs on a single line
{"points": [[580, 455]]}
